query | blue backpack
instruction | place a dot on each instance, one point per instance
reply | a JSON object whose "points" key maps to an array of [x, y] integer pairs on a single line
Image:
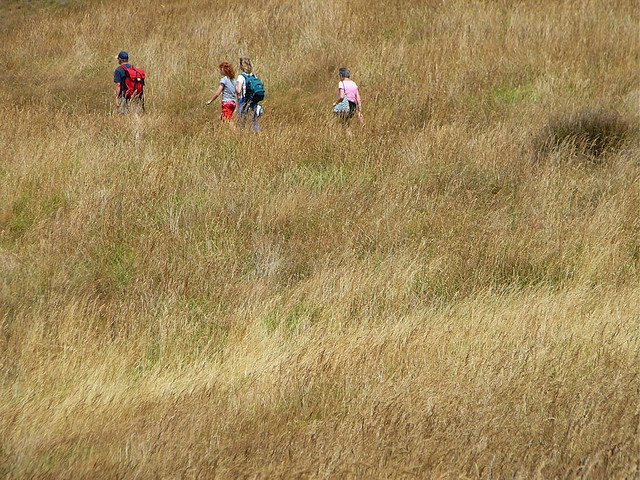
{"points": [[254, 88]]}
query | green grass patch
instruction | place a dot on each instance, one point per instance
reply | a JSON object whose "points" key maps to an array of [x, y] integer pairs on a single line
{"points": [[320, 176], [26, 210], [119, 264], [300, 316], [517, 94]]}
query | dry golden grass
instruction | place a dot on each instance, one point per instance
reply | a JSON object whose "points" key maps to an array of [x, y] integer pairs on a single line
{"points": [[450, 291]]}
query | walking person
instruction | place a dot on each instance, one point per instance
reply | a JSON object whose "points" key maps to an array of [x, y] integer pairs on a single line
{"points": [[250, 91], [226, 88], [129, 85], [349, 100]]}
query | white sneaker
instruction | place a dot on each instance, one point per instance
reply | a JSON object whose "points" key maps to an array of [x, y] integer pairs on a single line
{"points": [[259, 110]]}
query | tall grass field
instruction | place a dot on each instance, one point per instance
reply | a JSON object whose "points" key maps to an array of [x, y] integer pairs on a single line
{"points": [[447, 290]]}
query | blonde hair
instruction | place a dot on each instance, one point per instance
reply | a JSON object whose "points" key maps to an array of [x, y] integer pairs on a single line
{"points": [[245, 65]]}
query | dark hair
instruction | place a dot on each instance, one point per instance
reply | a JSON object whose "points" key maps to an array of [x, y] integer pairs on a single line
{"points": [[344, 72], [227, 69]]}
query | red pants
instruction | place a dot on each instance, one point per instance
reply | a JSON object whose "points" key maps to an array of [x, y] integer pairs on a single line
{"points": [[228, 108]]}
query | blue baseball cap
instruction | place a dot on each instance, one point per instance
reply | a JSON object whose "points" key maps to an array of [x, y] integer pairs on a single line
{"points": [[123, 55]]}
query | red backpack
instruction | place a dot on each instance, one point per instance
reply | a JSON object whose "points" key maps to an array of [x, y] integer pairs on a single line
{"points": [[134, 81]]}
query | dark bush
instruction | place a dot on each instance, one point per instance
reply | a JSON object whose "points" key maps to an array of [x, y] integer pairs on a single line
{"points": [[589, 134]]}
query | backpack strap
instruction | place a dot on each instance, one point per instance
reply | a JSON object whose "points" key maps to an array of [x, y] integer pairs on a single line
{"points": [[131, 71], [246, 84]]}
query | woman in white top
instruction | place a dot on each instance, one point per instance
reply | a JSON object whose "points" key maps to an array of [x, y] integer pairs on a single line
{"points": [[246, 109], [348, 87]]}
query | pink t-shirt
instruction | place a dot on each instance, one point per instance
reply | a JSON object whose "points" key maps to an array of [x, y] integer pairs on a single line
{"points": [[350, 89]]}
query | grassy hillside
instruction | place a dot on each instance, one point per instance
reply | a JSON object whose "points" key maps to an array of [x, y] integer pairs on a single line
{"points": [[447, 291]]}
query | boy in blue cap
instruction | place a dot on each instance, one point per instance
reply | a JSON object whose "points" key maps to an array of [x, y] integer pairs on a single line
{"points": [[125, 100]]}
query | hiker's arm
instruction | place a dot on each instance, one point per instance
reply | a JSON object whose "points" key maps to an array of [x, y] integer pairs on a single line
{"points": [[117, 89], [216, 95], [239, 85], [359, 102]]}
